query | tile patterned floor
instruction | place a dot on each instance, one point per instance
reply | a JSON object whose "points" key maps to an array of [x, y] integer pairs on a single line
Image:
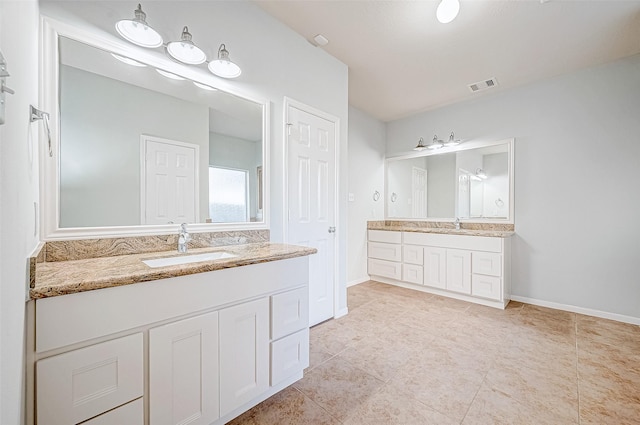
{"points": [[405, 357]]}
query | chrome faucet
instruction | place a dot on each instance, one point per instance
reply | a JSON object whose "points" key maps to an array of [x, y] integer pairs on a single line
{"points": [[457, 223], [183, 238]]}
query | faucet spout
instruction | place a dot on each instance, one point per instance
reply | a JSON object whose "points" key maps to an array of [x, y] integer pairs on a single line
{"points": [[457, 223], [183, 238]]}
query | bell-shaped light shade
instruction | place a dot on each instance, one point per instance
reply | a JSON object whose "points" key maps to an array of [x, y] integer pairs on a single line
{"points": [[447, 10], [137, 31], [421, 146], [435, 143], [452, 141], [185, 51], [223, 67]]}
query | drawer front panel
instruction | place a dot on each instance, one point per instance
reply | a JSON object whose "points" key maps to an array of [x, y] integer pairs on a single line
{"points": [[385, 268], [412, 254], [129, 414], [412, 273], [78, 385], [486, 263], [486, 287], [289, 312], [473, 243], [289, 356], [385, 236], [384, 251]]}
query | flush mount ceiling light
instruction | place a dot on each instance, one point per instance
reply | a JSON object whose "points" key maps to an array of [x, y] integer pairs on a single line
{"points": [[128, 61], [447, 11], [223, 67], [452, 141], [137, 31], [435, 143], [421, 146], [169, 75], [204, 86], [185, 51]]}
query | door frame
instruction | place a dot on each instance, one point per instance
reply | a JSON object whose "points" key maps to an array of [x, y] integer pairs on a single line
{"points": [[143, 172], [285, 198]]}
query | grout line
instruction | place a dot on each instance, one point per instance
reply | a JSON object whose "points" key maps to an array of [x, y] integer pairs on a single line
{"points": [[312, 401]]}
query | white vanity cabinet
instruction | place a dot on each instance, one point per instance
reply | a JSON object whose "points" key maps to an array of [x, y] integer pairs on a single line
{"points": [[198, 349], [472, 268], [385, 254]]}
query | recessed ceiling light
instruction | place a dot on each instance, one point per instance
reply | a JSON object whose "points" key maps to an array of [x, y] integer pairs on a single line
{"points": [[128, 61], [204, 86], [321, 40], [169, 75]]}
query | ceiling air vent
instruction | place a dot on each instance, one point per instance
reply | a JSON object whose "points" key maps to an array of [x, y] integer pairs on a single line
{"points": [[483, 85]]}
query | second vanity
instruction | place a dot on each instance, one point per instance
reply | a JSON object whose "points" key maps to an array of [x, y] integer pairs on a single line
{"points": [[194, 343]]}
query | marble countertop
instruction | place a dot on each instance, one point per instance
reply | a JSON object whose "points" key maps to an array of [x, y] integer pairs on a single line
{"points": [[69, 277], [447, 231]]}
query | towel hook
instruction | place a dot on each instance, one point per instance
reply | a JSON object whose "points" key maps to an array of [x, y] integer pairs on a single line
{"points": [[36, 114]]}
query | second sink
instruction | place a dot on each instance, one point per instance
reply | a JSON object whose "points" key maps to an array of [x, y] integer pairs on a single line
{"points": [[186, 259]]}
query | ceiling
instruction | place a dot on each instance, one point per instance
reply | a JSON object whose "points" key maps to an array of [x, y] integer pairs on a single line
{"points": [[402, 60]]}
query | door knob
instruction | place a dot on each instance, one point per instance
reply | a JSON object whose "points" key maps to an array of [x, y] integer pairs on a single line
{"points": [[332, 229]]}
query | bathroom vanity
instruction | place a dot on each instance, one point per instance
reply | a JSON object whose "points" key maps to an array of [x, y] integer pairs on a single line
{"points": [[114, 341]]}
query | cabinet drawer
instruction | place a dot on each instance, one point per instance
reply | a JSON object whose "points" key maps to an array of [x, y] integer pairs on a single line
{"points": [[384, 251], [385, 236], [412, 273], [385, 268], [486, 263], [289, 312], [412, 254], [78, 385], [129, 414], [486, 287], [289, 356]]}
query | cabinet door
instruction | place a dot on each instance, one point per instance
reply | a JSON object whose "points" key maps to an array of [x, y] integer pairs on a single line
{"points": [[244, 353], [435, 261], [412, 254], [412, 273], [129, 414], [289, 355], [459, 271], [183, 372]]}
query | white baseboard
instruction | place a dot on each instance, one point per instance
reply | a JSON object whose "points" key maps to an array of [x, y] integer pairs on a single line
{"points": [[581, 310], [341, 313], [358, 281]]}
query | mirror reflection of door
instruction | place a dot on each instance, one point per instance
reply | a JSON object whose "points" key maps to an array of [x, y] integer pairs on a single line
{"points": [[169, 184], [419, 192], [228, 195]]}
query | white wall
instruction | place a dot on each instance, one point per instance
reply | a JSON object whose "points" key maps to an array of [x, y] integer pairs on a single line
{"points": [[100, 156], [577, 158], [276, 62], [18, 192], [441, 186], [366, 175]]}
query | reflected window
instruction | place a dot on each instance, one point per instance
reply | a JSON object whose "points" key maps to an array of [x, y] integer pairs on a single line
{"points": [[228, 195]]}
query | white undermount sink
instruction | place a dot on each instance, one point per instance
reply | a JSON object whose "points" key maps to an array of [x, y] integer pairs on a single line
{"points": [[186, 259]]}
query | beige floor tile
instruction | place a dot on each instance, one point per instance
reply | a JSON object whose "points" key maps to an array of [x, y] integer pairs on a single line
{"points": [[333, 336], [609, 332], [317, 356], [392, 407], [338, 387], [491, 406], [604, 406], [377, 357], [288, 407]]}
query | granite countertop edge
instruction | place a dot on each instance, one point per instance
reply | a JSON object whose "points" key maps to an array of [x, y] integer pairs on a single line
{"points": [[75, 276], [445, 231]]}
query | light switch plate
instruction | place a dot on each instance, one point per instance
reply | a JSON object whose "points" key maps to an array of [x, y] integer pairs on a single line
{"points": [[352, 197]]}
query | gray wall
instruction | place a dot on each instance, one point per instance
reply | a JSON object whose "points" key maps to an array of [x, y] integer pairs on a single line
{"points": [[18, 196], [576, 165], [441, 186], [100, 155]]}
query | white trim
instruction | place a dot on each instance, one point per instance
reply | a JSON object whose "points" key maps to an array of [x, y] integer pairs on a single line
{"points": [[358, 281], [581, 310], [342, 312], [288, 102], [49, 175], [144, 138]]}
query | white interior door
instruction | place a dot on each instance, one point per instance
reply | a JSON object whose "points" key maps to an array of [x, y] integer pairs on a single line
{"points": [[169, 181], [311, 193], [419, 195]]}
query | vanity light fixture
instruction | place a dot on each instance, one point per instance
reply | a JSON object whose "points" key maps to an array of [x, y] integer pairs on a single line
{"points": [[435, 143], [204, 86], [452, 141], [169, 75], [480, 173], [447, 11], [421, 146], [138, 32], [223, 67], [185, 51], [128, 61]]}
